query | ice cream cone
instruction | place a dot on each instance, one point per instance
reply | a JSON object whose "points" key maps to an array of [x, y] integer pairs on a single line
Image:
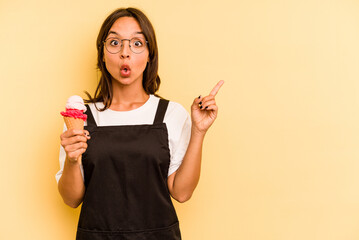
{"points": [[74, 123], [74, 116]]}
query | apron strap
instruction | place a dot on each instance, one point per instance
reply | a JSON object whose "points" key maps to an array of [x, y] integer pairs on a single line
{"points": [[90, 119], [161, 111]]}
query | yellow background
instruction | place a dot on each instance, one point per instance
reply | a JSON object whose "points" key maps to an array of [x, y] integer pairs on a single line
{"points": [[281, 161]]}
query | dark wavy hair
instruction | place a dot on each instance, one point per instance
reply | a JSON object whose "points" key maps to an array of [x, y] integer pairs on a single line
{"points": [[150, 82]]}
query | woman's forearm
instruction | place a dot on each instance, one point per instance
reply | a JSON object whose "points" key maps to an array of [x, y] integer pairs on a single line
{"points": [[187, 176], [182, 183], [71, 185]]}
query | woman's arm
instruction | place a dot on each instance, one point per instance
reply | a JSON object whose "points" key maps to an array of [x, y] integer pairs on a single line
{"points": [[71, 185], [183, 182]]}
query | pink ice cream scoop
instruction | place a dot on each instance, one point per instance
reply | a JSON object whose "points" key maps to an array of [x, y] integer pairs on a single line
{"points": [[75, 108]]}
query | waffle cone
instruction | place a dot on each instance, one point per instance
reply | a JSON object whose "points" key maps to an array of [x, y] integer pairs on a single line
{"points": [[74, 123]]}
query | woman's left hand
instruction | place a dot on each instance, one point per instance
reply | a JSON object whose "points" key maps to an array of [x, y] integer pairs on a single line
{"points": [[204, 110]]}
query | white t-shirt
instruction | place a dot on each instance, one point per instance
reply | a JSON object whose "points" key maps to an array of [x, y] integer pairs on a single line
{"points": [[177, 120]]}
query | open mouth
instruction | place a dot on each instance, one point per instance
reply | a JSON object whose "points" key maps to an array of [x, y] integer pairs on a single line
{"points": [[125, 70]]}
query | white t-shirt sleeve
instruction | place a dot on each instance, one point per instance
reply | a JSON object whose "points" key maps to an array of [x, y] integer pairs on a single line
{"points": [[178, 124]]}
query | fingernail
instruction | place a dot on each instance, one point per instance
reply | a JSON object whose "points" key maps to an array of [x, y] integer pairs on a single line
{"points": [[200, 107], [199, 97], [200, 103], [206, 107]]}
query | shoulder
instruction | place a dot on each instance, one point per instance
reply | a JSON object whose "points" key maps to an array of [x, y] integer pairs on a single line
{"points": [[94, 110], [174, 109], [95, 107], [176, 114], [177, 109]]}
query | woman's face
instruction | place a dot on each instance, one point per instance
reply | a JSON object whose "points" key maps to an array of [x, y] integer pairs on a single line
{"points": [[126, 67]]}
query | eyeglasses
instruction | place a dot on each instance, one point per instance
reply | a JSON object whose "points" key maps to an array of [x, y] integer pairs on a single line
{"points": [[114, 45]]}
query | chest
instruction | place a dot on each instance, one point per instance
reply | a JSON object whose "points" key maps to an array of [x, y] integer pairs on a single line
{"points": [[132, 151]]}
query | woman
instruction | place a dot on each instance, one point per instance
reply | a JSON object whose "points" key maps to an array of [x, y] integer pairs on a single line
{"points": [[142, 148]]}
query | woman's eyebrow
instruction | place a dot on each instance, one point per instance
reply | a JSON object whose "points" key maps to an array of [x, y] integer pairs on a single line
{"points": [[113, 32]]}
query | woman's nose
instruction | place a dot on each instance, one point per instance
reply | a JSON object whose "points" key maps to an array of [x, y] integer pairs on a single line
{"points": [[125, 50]]}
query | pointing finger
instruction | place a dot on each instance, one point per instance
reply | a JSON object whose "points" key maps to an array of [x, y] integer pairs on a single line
{"points": [[216, 88]]}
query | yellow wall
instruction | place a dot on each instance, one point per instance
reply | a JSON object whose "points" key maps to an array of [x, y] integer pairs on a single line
{"points": [[280, 163]]}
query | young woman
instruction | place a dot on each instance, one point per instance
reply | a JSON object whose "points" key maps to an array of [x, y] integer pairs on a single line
{"points": [[137, 148]]}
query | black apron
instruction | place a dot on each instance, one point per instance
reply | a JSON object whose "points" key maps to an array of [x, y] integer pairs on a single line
{"points": [[125, 170]]}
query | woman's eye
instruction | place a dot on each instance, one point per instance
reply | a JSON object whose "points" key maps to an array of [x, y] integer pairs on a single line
{"points": [[114, 42], [137, 43]]}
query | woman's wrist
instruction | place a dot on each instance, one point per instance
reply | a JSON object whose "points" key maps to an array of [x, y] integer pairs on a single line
{"points": [[195, 132], [72, 163]]}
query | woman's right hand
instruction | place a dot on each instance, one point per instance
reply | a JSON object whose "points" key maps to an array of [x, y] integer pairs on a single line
{"points": [[74, 142]]}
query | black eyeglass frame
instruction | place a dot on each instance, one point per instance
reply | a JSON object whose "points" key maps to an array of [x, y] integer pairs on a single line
{"points": [[129, 44]]}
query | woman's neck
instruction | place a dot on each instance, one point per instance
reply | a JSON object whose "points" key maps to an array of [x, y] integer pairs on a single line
{"points": [[126, 98]]}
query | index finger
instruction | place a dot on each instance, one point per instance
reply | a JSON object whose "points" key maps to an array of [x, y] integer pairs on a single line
{"points": [[216, 88]]}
